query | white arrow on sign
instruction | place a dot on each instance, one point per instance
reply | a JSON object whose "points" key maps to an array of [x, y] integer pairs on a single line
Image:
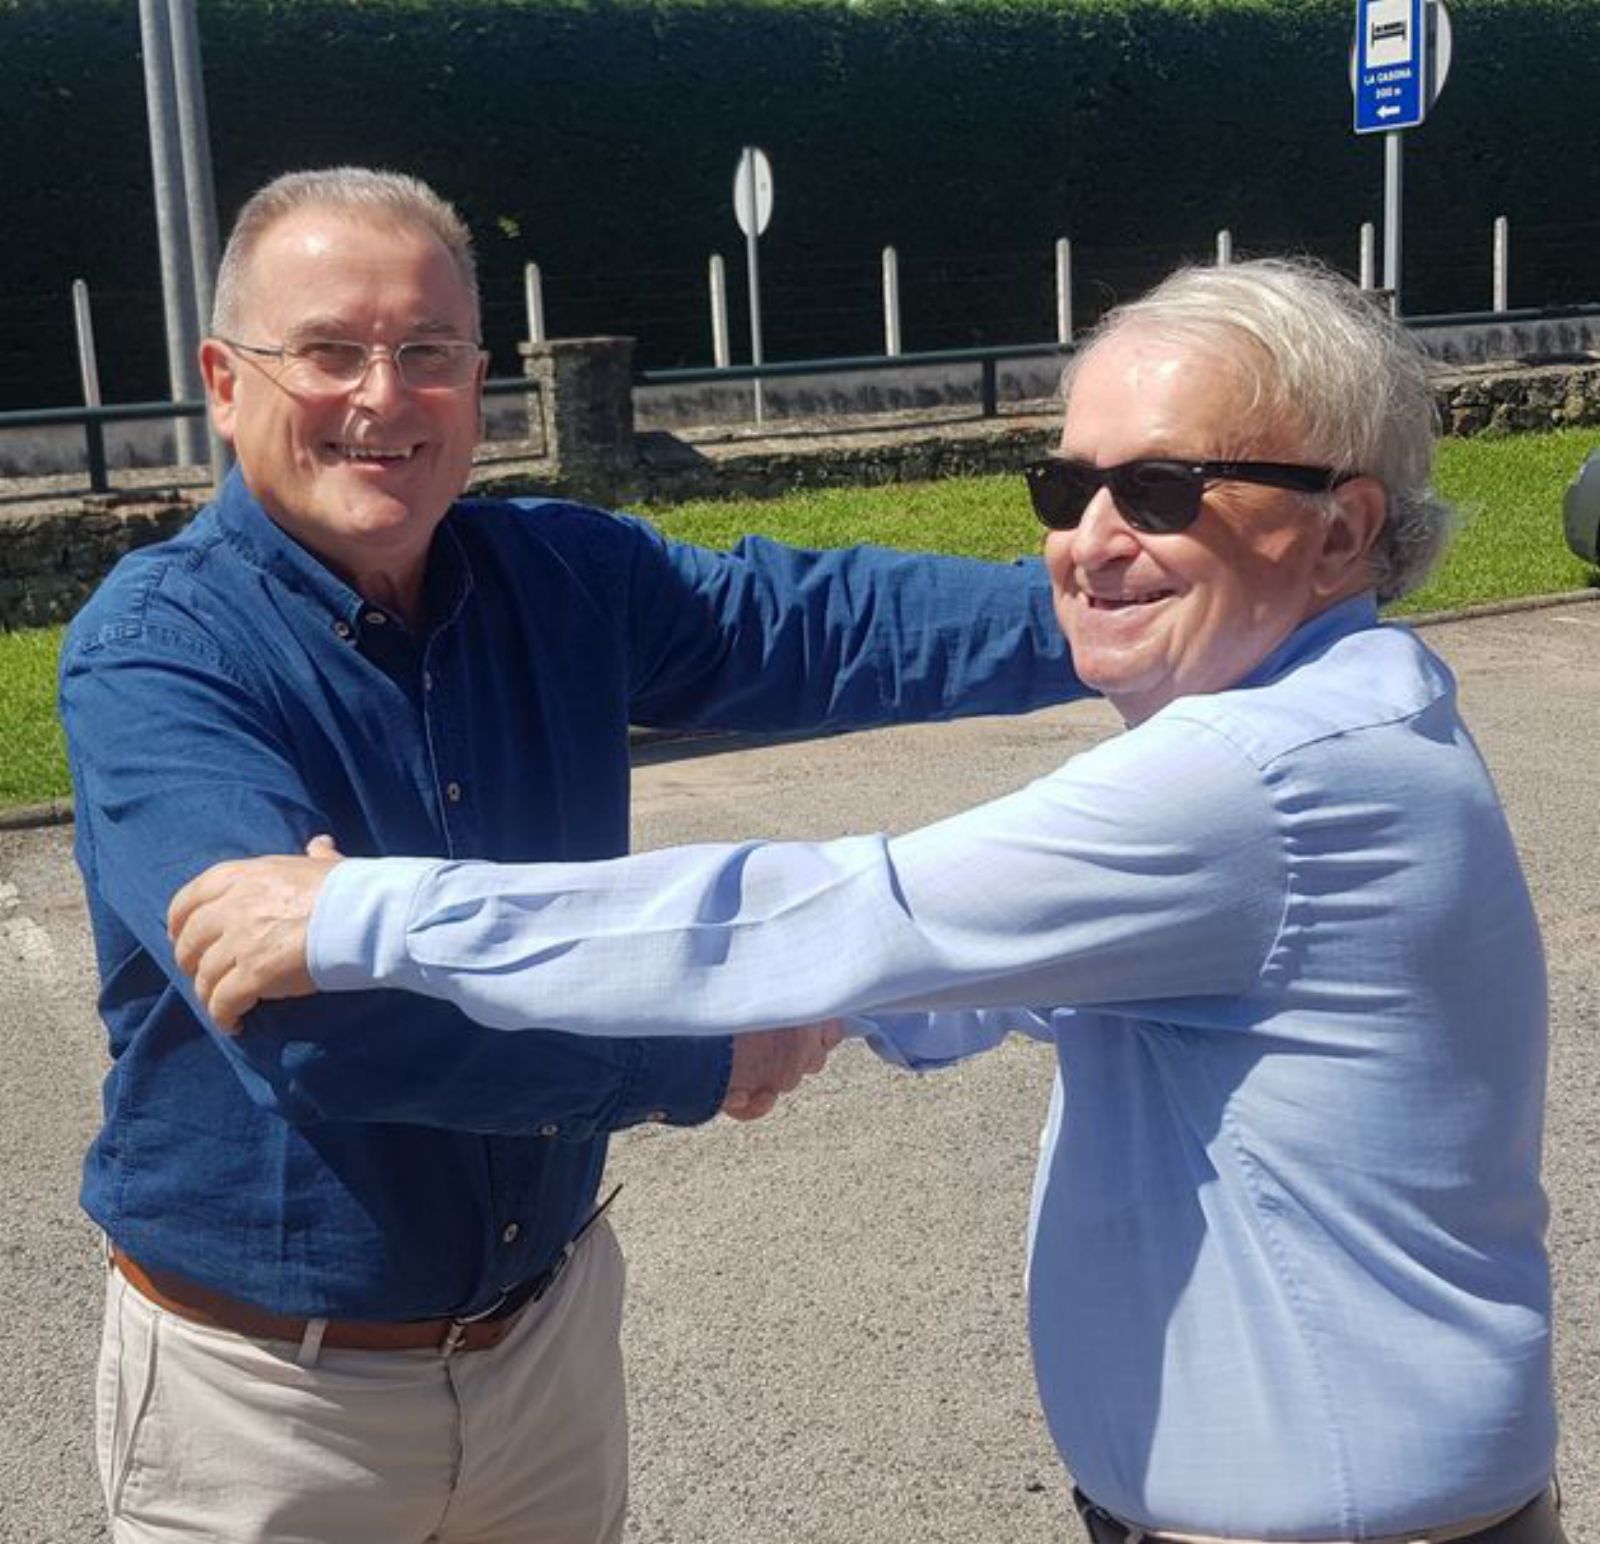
{"points": [[1388, 112], [752, 191]]}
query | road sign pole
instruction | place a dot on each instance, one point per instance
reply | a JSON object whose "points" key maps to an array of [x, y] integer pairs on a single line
{"points": [[172, 230], [753, 268], [1391, 218]]}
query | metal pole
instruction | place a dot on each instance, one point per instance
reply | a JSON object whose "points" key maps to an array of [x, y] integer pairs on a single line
{"points": [[721, 354], [988, 388], [1224, 248], [891, 302], [195, 144], [1063, 291], [1502, 264], [177, 269], [753, 269], [89, 373], [1369, 255], [533, 297], [1391, 218]]}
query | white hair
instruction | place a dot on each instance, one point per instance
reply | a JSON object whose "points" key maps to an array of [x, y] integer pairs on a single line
{"points": [[391, 198], [1325, 360]]}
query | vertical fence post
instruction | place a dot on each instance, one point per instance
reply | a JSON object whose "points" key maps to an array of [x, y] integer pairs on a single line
{"points": [[533, 299], [1502, 264], [1063, 291], [721, 355], [1224, 248], [989, 388], [89, 373], [1369, 255], [891, 302]]}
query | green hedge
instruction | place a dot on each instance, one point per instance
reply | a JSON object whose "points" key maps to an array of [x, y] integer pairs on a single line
{"points": [[598, 138]]}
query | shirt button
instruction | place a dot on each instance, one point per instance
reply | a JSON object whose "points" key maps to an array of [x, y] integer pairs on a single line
{"points": [[427, 680], [658, 1116], [374, 619], [342, 629], [510, 1233], [550, 1129], [452, 791]]}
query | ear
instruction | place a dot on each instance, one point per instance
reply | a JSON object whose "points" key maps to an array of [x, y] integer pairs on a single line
{"points": [[218, 370], [1349, 531]]}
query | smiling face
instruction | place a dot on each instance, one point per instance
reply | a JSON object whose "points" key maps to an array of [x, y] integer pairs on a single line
{"points": [[1154, 618], [361, 476]]}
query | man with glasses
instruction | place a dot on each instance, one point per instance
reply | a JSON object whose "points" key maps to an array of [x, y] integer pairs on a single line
{"points": [[1288, 1277], [358, 1291]]}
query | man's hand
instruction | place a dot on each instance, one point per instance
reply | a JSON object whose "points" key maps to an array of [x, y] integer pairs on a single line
{"points": [[771, 1062], [240, 930]]}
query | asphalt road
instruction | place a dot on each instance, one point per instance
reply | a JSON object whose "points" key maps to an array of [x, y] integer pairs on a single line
{"points": [[826, 1332]]}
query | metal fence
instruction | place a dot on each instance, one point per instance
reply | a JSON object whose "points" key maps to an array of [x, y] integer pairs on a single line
{"points": [[986, 360]]}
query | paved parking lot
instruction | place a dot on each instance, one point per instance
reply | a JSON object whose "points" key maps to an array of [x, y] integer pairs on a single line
{"points": [[826, 1335]]}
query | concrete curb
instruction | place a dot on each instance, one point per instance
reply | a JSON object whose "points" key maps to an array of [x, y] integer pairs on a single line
{"points": [[58, 812], [1501, 608], [28, 817]]}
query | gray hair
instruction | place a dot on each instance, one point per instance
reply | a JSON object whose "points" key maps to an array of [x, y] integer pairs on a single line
{"points": [[1317, 356], [391, 198]]}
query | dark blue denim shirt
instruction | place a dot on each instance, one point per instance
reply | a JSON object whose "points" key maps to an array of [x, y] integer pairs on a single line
{"points": [[378, 1155]]}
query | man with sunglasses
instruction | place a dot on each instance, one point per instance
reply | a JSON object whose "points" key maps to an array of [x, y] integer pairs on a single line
{"points": [[1288, 1277], [357, 1295]]}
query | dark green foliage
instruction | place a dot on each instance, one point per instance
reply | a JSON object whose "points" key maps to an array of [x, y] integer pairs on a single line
{"points": [[598, 138]]}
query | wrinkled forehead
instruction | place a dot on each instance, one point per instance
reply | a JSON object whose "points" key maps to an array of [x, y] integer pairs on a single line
{"points": [[1213, 372], [319, 259]]}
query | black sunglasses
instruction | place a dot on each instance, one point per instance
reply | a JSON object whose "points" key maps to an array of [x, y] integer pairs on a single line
{"points": [[1156, 497]]}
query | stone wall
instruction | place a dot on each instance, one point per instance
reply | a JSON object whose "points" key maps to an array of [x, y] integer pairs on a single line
{"points": [[1499, 401], [52, 557], [52, 554]]}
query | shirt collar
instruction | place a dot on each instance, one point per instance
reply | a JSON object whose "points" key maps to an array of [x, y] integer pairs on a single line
{"points": [[1312, 637], [265, 545]]}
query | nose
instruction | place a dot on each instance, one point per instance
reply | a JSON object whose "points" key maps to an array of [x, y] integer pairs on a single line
{"points": [[381, 378], [1103, 536]]}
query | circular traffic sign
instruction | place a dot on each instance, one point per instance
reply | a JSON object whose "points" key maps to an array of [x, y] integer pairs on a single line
{"points": [[752, 191]]}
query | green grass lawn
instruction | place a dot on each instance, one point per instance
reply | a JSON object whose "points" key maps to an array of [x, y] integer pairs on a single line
{"points": [[1508, 489], [1510, 545], [33, 759]]}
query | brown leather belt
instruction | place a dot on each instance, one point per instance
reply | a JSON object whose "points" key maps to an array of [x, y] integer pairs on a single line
{"points": [[200, 1305], [189, 1300], [1539, 1522]]}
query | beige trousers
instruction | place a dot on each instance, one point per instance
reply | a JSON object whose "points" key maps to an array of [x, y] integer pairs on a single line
{"points": [[206, 1435]]}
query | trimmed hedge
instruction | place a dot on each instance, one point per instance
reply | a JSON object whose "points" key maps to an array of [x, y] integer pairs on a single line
{"points": [[598, 138]]}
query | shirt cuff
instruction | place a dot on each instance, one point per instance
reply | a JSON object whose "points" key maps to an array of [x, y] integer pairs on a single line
{"points": [[676, 1082], [357, 937]]}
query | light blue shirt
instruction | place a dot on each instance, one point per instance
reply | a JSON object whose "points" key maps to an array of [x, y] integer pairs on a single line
{"points": [[1287, 1271]]}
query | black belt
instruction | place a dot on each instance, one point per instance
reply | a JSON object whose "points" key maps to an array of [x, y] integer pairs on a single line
{"points": [[1539, 1522]]}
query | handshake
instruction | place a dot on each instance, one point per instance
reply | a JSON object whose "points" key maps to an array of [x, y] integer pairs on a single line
{"points": [[240, 932]]}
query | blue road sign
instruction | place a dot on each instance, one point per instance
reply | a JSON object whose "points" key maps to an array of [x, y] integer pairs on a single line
{"points": [[1391, 65]]}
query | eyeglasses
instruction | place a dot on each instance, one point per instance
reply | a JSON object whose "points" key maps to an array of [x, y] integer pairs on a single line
{"points": [[337, 365], [1156, 497]]}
